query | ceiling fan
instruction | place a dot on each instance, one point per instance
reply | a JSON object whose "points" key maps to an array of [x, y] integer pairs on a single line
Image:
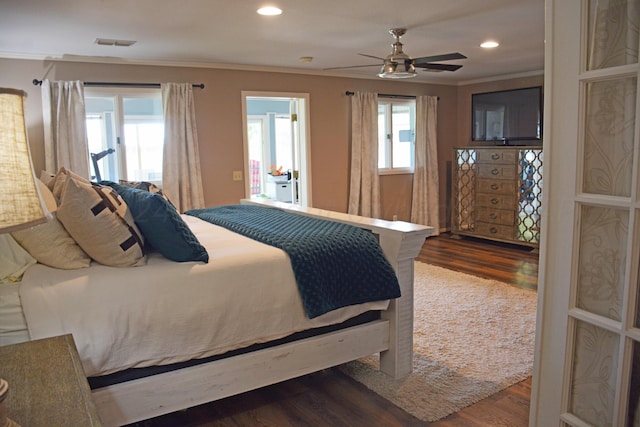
{"points": [[399, 65]]}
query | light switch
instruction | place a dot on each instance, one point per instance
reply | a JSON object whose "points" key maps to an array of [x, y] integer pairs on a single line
{"points": [[237, 175]]}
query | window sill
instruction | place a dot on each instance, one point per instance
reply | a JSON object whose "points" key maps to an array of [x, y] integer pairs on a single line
{"points": [[403, 171]]}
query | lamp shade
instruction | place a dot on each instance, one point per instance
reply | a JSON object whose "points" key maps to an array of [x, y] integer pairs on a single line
{"points": [[20, 203]]}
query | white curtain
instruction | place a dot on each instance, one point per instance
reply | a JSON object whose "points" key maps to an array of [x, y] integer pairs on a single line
{"points": [[424, 201], [181, 176], [364, 189], [64, 121]]}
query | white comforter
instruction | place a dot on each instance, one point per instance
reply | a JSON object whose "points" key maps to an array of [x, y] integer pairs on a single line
{"points": [[167, 312]]}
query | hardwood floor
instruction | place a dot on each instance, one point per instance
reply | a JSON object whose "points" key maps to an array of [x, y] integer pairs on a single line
{"points": [[330, 398]]}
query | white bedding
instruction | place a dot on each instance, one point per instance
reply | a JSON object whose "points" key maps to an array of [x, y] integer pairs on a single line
{"points": [[166, 312], [13, 328]]}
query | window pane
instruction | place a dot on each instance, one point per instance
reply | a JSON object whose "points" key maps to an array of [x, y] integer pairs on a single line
{"points": [[383, 147], [403, 136], [101, 136], [284, 143], [255, 130], [144, 138]]}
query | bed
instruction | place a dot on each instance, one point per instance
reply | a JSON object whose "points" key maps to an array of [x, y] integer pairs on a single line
{"points": [[252, 350]]}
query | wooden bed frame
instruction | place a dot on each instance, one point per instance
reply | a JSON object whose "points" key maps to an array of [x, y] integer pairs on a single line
{"points": [[391, 336]]}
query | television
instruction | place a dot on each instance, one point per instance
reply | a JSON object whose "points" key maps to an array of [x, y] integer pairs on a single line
{"points": [[507, 116]]}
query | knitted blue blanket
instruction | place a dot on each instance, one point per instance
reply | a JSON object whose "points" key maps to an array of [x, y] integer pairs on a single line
{"points": [[335, 264]]}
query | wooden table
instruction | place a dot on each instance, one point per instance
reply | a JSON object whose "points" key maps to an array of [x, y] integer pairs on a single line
{"points": [[47, 386]]}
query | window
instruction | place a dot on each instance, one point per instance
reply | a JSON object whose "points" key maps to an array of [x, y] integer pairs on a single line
{"points": [[125, 129], [396, 135]]}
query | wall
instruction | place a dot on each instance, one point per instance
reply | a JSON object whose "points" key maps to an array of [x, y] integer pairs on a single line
{"points": [[219, 119]]}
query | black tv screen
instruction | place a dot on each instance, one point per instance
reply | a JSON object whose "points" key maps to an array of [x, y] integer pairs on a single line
{"points": [[507, 115]]}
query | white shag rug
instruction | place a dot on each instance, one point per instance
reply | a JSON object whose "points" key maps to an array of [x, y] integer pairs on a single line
{"points": [[472, 338]]}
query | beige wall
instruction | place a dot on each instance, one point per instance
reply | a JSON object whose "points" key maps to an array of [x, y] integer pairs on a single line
{"points": [[219, 120]]}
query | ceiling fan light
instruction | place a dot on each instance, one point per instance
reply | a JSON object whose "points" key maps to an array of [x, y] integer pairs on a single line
{"points": [[397, 70]]}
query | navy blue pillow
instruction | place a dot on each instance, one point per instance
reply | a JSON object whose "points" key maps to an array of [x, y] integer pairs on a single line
{"points": [[161, 224]]}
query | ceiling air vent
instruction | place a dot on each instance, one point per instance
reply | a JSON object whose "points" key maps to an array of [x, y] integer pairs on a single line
{"points": [[114, 42]]}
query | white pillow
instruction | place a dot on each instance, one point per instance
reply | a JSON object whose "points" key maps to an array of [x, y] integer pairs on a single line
{"points": [[14, 260]]}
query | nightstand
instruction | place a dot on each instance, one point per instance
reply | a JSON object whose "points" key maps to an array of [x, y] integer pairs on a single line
{"points": [[47, 386]]}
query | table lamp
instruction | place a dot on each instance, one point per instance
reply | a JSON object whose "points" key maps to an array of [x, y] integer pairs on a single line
{"points": [[21, 204]]}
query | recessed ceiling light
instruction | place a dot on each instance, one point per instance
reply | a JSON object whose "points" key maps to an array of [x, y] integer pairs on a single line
{"points": [[305, 59], [490, 44], [269, 11]]}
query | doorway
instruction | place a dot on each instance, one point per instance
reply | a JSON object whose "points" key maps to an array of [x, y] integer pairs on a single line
{"points": [[276, 146]]}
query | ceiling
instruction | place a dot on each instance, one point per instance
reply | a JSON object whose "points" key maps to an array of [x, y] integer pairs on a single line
{"points": [[230, 34]]}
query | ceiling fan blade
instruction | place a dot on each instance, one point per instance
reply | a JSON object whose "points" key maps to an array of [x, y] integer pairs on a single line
{"points": [[371, 56], [353, 66], [438, 58], [438, 67]]}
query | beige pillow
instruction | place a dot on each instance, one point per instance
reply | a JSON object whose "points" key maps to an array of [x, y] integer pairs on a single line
{"points": [[47, 178], [51, 245], [59, 181], [47, 196], [98, 220]]}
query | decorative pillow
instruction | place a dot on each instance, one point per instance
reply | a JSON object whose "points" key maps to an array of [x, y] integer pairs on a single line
{"points": [[146, 186], [47, 178], [98, 220], [51, 245], [161, 225], [14, 260], [47, 196], [60, 180]]}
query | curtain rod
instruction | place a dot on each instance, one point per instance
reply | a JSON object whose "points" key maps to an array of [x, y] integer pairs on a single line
{"points": [[37, 82], [387, 95]]}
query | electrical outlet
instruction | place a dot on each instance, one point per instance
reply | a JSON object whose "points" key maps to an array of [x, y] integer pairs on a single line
{"points": [[237, 175]]}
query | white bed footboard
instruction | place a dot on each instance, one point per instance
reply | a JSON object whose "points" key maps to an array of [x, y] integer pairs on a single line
{"points": [[401, 243], [391, 336]]}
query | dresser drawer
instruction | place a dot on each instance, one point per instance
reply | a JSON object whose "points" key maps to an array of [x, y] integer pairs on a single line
{"points": [[495, 231], [496, 155], [496, 171], [497, 201], [495, 186], [496, 216]]}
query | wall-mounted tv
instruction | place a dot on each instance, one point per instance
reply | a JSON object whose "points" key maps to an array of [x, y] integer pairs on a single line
{"points": [[507, 116]]}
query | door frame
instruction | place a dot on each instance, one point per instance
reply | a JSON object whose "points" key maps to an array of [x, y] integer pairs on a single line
{"points": [[304, 177]]}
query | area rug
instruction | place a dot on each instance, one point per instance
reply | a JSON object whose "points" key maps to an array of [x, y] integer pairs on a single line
{"points": [[472, 338]]}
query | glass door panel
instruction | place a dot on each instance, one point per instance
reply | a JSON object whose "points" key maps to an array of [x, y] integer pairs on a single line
{"points": [[601, 262], [608, 152], [593, 384]]}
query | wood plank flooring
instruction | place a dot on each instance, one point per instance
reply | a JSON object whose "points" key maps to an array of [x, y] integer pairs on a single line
{"points": [[330, 398]]}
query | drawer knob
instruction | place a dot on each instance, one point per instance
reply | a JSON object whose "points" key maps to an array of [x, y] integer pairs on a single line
{"points": [[495, 171], [495, 201], [495, 156], [494, 186], [493, 230], [493, 216]]}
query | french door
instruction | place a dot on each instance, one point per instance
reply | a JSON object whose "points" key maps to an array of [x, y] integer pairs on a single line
{"points": [[587, 370], [276, 136]]}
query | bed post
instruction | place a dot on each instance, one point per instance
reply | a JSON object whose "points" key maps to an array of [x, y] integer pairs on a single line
{"points": [[401, 243]]}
